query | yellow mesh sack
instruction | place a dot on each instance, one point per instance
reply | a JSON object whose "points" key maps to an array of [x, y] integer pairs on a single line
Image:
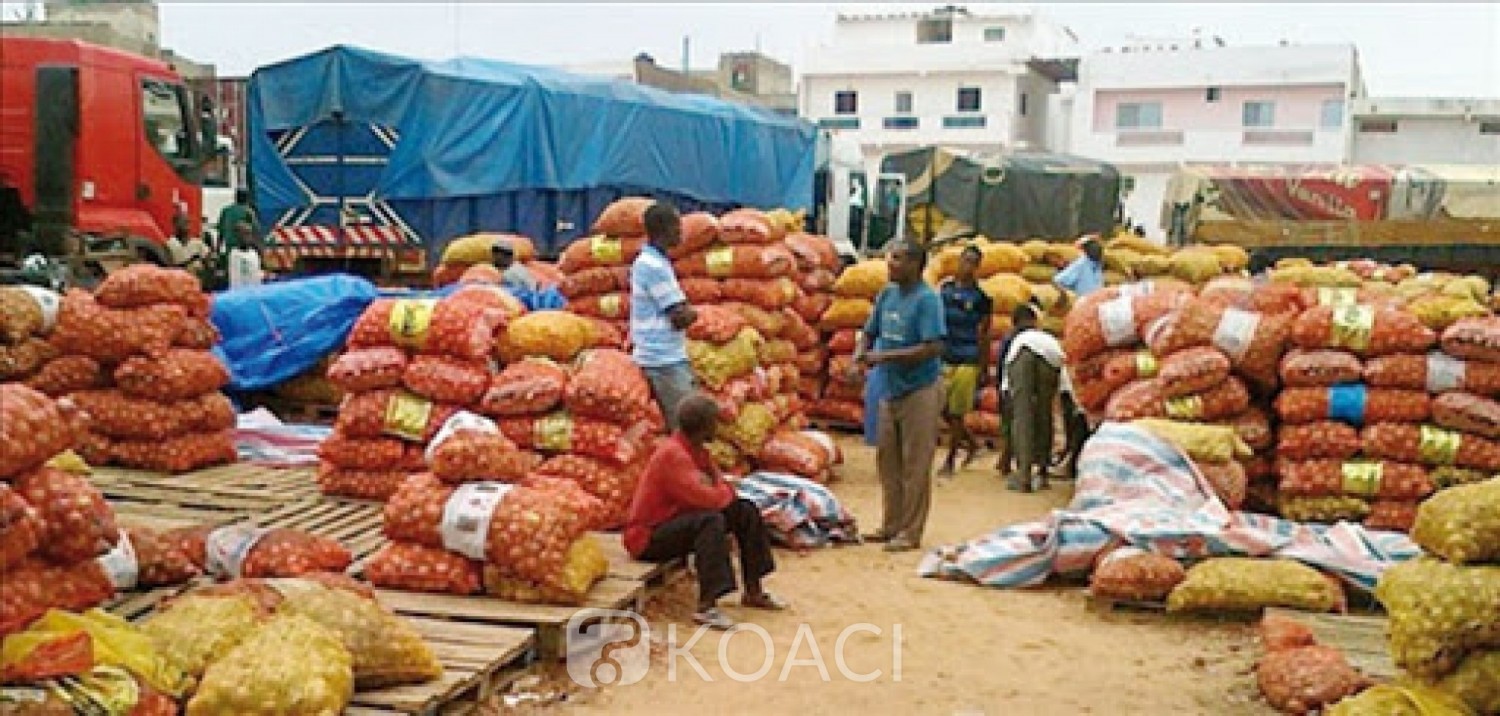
{"points": [[386, 649], [1239, 584], [291, 666], [194, 631], [1461, 524], [1439, 612], [717, 365], [863, 280]]}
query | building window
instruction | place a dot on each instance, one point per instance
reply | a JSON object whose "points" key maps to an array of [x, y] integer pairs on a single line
{"points": [[1258, 113], [901, 122], [1377, 126], [1331, 114], [1021, 105], [1212, 94], [968, 99], [994, 34], [1489, 127], [1138, 115], [839, 123], [970, 121], [903, 102], [934, 30], [846, 102]]}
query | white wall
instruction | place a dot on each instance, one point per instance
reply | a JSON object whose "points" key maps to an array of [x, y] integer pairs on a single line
{"points": [[1429, 140], [934, 97]]}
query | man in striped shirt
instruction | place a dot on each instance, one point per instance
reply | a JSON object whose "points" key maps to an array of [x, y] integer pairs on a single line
{"points": [[659, 314]]}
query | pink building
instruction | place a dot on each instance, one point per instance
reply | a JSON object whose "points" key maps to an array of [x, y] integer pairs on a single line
{"points": [[1151, 109]]}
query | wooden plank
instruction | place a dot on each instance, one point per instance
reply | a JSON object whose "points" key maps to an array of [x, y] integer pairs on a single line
{"points": [[622, 565], [473, 656]]}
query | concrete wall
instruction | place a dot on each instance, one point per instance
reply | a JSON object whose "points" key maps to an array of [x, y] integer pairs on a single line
{"points": [[1431, 140], [934, 97]]}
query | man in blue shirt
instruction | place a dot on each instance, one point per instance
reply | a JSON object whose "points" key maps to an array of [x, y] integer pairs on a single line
{"points": [[659, 314], [1086, 274], [904, 336], [966, 314]]}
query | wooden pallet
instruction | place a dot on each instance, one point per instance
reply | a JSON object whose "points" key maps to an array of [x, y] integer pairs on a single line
{"points": [[1362, 638], [239, 488], [356, 524], [478, 661], [835, 426], [653, 574]]}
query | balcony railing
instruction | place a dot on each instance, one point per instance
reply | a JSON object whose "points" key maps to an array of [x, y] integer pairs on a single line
{"points": [[1148, 137], [964, 121], [1278, 137], [901, 122], [839, 123]]}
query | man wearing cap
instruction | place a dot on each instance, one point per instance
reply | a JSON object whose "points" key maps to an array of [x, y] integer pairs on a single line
{"points": [[1086, 274], [513, 276]]}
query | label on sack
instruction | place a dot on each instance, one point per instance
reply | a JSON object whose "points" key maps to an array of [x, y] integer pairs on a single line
{"points": [[410, 319], [1337, 296], [1146, 365], [1117, 318], [1352, 326], [1119, 553], [609, 305], [406, 416], [554, 433], [720, 261], [466, 517], [1346, 403], [1138, 289], [48, 301], [1187, 407], [1438, 446], [1444, 372], [462, 420], [1235, 332], [121, 564], [227, 547], [1362, 478], [606, 250]]}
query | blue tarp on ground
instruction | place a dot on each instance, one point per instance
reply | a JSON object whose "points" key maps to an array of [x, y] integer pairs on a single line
{"points": [[273, 332]]}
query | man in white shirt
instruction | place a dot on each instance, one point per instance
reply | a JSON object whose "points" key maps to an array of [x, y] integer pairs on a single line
{"points": [[1031, 376]]}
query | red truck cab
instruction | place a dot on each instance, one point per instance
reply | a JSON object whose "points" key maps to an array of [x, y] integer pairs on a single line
{"points": [[93, 141]]}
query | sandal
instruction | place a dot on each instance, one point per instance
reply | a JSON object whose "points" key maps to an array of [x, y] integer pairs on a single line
{"points": [[764, 600], [713, 619]]}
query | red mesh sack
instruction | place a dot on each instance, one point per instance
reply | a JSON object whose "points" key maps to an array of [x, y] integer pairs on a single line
{"points": [[377, 484], [1270, 298], [699, 230], [34, 586], [159, 559], [1279, 633], [367, 369], [1359, 478], [1474, 339], [179, 374], [417, 568], [447, 380], [18, 362], [1353, 404], [843, 341], [792, 452], [588, 510], [816, 281], [811, 307], [745, 226], [562, 433], [271, 553], [594, 281], [1435, 372], [21, 528], [1144, 399], [716, 324], [1393, 515], [114, 414], [702, 290], [140, 285], [1193, 370], [369, 453], [1364, 329], [848, 412], [799, 332], [21, 314], [447, 274], [1307, 679], [777, 352], [458, 328], [198, 333], [547, 274], [1254, 427], [812, 362], [1318, 439], [1111, 319], [1229, 481], [624, 217], [613, 306], [111, 335], [494, 298], [1131, 574], [611, 334], [772, 295], [814, 249], [68, 374], [32, 429], [392, 412], [1308, 368], [1252, 341], [599, 252], [612, 485], [476, 455], [533, 385], [608, 385], [77, 523], [738, 261], [1468, 413], [1430, 445], [94, 448], [178, 454]]}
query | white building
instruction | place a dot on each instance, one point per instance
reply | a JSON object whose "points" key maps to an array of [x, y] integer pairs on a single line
{"points": [[947, 77], [1391, 130], [1148, 109]]}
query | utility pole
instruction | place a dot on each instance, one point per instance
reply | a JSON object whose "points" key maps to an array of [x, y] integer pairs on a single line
{"points": [[685, 56]]}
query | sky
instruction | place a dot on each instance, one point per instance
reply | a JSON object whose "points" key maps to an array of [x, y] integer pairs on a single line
{"points": [[1406, 49]]}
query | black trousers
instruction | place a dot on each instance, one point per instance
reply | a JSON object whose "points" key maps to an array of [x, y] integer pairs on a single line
{"points": [[705, 535]]}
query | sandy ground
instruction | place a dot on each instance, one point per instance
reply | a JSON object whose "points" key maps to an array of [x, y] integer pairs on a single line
{"points": [[963, 649]]}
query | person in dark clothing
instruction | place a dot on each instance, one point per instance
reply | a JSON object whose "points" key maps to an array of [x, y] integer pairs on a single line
{"points": [[966, 315], [1032, 370], [683, 506]]}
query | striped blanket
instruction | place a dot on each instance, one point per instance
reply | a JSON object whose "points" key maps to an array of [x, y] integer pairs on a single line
{"points": [[798, 512], [261, 439], [1135, 488]]}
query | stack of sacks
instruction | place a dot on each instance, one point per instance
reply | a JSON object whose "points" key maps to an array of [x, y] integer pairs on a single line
{"points": [[27, 314], [1216, 450], [1044, 260], [817, 269], [477, 523], [1348, 450], [596, 270], [1129, 258], [1104, 339], [854, 299], [410, 365], [146, 333], [589, 420], [466, 252], [725, 353], [1444, 612], [812, 454], [984, 420]]}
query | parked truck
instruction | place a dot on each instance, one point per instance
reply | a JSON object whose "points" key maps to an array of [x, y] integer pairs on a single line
{"points": [[1435, 217], [369, 162], [100, 155]]}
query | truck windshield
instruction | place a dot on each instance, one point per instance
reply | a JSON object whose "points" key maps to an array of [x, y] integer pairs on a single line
{"points": [[165, 109]]}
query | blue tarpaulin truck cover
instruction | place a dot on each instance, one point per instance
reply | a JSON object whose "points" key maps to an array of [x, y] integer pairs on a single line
{"points": [[444, 148]]}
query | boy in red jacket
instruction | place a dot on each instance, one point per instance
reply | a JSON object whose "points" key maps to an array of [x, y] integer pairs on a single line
{"points": [[683, 506]]}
